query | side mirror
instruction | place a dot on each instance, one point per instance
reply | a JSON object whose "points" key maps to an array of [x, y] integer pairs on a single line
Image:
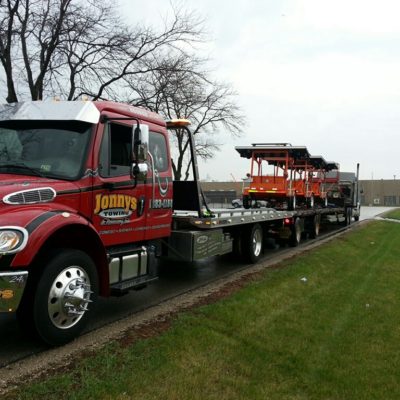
{"points": [[139, 171], [140, 143]]}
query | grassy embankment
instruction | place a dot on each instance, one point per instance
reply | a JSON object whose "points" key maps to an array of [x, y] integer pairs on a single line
{"points": [[335, 336], [394, 214]]}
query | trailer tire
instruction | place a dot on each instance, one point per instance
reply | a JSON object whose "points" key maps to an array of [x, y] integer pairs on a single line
{"points": [[295, 237], [315, 226], [58, 304], [252, 243], [292, 203], [311, 201], [348, 216]]}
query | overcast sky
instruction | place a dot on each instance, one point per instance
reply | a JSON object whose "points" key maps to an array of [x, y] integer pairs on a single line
{"points": [[317, 73]]}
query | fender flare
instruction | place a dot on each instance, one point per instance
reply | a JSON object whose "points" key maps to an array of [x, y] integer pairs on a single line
{"points": [[64, 229]]}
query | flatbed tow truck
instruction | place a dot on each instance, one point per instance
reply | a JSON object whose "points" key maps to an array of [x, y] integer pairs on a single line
{"points": [[88, 203]]}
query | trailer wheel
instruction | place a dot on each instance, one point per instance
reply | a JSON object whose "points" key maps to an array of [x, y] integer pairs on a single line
{"points": [[295, 236], [292, 203], [252, 242], [311, 201], [246, 202], [315, 226], [66, 288], [348, 216]]}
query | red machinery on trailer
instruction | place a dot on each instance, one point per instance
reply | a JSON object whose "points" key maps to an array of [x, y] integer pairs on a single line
{"points": [[273, 173], [319, 178], [288, 177]]}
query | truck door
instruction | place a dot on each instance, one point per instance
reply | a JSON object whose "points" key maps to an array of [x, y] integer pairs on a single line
{"points": [[118, 209], [159, 189]]}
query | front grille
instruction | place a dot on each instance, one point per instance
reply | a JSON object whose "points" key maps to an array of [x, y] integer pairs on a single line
{"points": [[32, 196]]}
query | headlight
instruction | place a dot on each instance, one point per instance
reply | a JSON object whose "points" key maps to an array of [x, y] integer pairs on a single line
{"points": [[12, 239]]}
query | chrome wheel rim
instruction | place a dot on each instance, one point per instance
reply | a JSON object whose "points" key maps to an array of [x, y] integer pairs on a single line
{"points": [[257, 242], [69, 297]]}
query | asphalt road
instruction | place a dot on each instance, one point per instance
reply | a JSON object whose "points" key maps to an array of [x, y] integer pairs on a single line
{"points": [[174, 278], [371, 212]]}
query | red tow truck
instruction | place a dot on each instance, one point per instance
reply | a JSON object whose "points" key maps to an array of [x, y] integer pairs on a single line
{"points": [[87, 204]]}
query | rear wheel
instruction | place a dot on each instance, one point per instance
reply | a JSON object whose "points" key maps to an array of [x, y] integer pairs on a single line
{"points": [[59, 304], [311, 201], [348, 216], [252, 242], [295, 236], [246, 202], [292, 203], [315, 227]]}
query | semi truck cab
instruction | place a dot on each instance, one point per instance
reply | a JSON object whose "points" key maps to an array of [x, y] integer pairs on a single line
{"points": [[85, 194]]}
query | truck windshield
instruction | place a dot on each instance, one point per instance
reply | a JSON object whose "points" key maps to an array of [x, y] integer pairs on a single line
{"points": [[54, 149]]}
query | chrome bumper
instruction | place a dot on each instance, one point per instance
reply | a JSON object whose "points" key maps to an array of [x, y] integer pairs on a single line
{"points": [[12, 285]]}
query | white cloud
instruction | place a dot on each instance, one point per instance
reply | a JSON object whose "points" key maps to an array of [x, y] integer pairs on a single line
{"points": [[352, 16], [333, 78], [320, 73]]}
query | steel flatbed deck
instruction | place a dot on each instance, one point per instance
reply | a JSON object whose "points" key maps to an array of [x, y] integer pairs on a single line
{"points": [[224, 217]]}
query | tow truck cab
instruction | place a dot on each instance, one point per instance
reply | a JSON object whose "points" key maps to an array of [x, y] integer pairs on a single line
{"points": [[85, 194]]}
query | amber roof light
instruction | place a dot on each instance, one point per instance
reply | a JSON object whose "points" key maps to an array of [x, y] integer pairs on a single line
{"points": [[177, 123]]}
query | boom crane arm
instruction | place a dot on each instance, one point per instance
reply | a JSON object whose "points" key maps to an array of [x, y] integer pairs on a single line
{"points": [[188, 194]]}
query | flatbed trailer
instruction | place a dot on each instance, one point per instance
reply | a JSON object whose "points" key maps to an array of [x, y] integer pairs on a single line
{"points": [[244, 231]]}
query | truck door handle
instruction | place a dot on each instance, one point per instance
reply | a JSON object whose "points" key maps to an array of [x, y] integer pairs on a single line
{"points": [[140, 206]]}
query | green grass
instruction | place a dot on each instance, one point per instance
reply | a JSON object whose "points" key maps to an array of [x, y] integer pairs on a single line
{"points": [[335, 336], [394, 214]]}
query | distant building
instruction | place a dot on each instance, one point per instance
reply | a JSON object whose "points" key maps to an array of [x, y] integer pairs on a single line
{"points": [[384, 192]]}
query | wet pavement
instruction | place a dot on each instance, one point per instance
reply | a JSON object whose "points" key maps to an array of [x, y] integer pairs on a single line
{"points": [[371, 212]]}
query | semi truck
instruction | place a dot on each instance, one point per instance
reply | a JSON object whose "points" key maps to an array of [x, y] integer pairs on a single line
{"points": [[88, 204]]}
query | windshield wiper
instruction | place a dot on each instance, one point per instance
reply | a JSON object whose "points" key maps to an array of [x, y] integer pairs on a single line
{"points": [[22, 165]]}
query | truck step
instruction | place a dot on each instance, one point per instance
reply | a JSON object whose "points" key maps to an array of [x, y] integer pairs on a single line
{"points": [[135, 283]]}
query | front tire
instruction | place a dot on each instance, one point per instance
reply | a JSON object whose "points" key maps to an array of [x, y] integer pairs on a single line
{"points": [[66, 288]]}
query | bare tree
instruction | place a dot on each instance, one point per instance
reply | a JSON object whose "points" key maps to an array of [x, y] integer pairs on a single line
{"points": [[7, 35], [181, 88], [77, 47], [72, 48]]}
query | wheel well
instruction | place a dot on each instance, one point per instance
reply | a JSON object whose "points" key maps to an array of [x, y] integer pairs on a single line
{"points": [[82, 238]]}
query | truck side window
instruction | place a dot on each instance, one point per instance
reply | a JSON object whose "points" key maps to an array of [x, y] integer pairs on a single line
{"points": [[10, 145], [158, 150], [115, 151]]}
